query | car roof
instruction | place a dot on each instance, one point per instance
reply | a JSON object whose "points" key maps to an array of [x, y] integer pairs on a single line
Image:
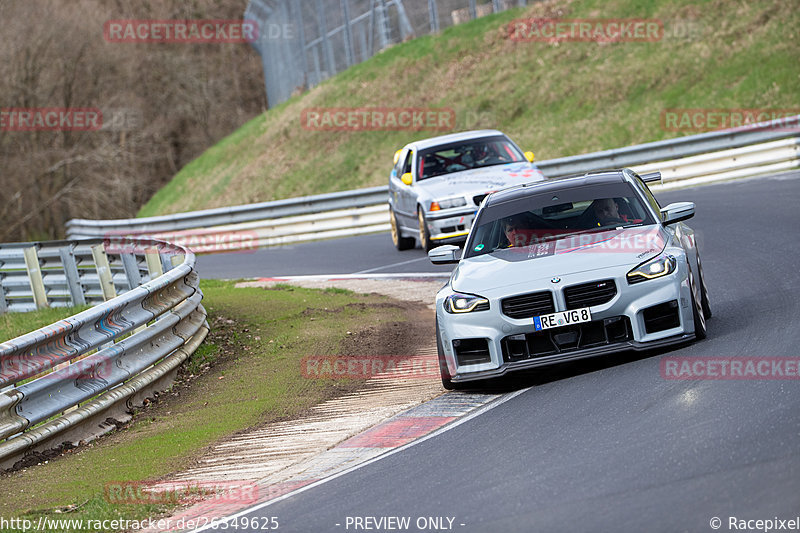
{"points": [[603, 177], [452, 137]]}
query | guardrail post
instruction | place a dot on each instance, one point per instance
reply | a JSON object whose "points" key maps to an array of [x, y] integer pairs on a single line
{"points": [[3, 305], [71, 273], [154, 266], [104, 272], [177, 259], [166, 263], [35, 277], [131, 270]]}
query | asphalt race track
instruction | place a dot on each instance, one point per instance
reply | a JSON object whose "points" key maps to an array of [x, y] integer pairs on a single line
{"points": [[605, 444]]}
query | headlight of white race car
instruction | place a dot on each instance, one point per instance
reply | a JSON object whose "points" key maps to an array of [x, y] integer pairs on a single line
{"points": [[465, 303], [660, 265], [448, 203]]}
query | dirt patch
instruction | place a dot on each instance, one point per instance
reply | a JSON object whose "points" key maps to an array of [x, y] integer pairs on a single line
{"points": [[403, 338]]}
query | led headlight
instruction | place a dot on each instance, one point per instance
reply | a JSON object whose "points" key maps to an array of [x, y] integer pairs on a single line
{"points": [[449, 203], [660, 265], [465, 303]]}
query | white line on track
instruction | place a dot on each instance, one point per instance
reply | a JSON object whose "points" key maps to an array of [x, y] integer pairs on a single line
{"points": [[439, 431], [394, 265]]}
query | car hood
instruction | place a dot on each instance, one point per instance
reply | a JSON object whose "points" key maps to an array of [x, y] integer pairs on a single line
{"points": [[480, 180], [527, 266]]}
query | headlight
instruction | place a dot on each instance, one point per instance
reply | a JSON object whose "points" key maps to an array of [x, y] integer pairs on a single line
{"points": [[660, 265], [448, 203], [465, 303]]}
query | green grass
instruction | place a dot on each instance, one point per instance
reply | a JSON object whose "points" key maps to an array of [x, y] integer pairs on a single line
{"points": [[247, 373], [15, 324], [555, 100]]}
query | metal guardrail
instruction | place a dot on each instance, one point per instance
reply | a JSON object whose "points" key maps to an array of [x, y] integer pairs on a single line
{"points": [[63, 375], [719, 155], [67, 273]]}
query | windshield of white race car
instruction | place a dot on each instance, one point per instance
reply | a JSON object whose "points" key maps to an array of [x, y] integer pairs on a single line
{"points": [[465, 155], [538, 218]]}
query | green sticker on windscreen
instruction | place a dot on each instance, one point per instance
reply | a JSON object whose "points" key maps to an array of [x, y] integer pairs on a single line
{"points": [[479, 248]]}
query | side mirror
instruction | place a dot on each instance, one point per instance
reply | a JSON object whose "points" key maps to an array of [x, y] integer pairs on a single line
{"points": [[677, 212], [407, 178], [529, 156], [445, 255], [397, 155]]}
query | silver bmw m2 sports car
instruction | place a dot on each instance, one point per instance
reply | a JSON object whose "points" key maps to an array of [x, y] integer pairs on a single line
{"points": [[565, 269], [437, 184]]}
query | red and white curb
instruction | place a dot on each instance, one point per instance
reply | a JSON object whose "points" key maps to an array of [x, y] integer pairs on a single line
{"points": [[387, 438]]}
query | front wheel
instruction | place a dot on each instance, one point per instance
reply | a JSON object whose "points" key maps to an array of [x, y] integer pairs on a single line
{"points": [[447, 383], [705, 304], [400, 242], [700, 328], [424, 234]]}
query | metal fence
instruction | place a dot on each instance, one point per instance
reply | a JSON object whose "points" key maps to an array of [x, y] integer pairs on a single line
{"points": [[70, 273], [63, 381], [303, 42]]}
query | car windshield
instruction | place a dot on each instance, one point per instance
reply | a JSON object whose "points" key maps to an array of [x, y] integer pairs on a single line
{"points": [[557, 214], [464, 155]]}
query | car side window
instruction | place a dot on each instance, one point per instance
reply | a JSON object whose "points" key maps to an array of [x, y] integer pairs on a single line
{"points": [[648, 195], [407, 163], [398, 167]]}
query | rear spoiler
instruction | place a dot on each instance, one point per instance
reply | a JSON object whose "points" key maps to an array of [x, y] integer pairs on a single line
{"points": [[651, 176]]}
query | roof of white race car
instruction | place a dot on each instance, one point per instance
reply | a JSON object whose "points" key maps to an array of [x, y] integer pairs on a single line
{"points": [[452, 137]]}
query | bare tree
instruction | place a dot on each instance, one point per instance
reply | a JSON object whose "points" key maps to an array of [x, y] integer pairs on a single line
{"points": [[174, 100]]}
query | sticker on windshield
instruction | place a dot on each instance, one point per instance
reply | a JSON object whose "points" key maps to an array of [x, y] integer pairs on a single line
{"points": [[479, 248]]}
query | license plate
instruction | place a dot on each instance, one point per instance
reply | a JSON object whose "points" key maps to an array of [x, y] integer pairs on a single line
{"points": [[562, 318]]}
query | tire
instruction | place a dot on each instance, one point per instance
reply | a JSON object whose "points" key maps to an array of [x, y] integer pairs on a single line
{"points": [[424, 235], [447, 383], [401, 243], [700, 327], [704, 303]]}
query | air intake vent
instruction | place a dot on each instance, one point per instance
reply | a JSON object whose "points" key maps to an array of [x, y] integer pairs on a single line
{"points": [[588, 294], [529, 305]]}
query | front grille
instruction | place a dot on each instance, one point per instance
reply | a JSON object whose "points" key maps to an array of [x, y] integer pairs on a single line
{"points": [[589, 294], [567, 339], [529, 305], [661, 317], [471, 351]]}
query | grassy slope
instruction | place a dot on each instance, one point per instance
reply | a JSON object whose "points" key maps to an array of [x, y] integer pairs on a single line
{"points": [[15, 324], [258, 339], [557, 100]]}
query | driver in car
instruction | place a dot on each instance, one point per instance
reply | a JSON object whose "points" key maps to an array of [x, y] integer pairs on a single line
{"points": [[606, 211], [518, 230]]}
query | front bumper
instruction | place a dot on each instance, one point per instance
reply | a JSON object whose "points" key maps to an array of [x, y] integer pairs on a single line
{"points": [[450, 225], [490, 344]]}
